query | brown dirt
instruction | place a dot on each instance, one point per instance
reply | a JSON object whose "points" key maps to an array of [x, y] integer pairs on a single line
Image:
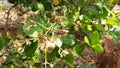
{"points": [[11, 29], [111, 56]]}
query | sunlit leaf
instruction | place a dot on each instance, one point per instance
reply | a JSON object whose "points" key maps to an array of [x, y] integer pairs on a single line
{"points": [[89, 27], [97, 48], [95, 38], [112, 1], [86, 40], [112, 22]]}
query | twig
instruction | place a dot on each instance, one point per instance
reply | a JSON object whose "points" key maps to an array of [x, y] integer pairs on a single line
{"points": [[5, 30], [6, 23]]}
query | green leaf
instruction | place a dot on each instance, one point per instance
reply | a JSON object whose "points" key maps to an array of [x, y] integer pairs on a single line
{"points": [[8, 66], [78, 50], [89, 27], [69, 60], [13, 58], [2, 42], [112, 1], [85, 66], [38, 6], [97, 48], [76, 16], [32, 31], [20, 31], [95, 38], [86, 40], [83, 17], [47, 5], [68, 40], [104, 13], [93, 10], [98, 27], [112, 22], [53, 54], [30, 49]]}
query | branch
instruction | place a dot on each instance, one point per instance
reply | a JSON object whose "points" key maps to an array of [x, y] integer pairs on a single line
{"points": [[5, 30]]}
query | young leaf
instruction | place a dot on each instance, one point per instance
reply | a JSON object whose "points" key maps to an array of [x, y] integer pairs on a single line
{"points": [[86, 40], [89, 27], [112, 22], [98, 48], [95, 38]]}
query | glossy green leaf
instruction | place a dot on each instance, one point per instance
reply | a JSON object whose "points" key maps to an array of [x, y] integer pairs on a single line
{"points": [[30, 49], [95, 38], [69, 60], [78, 50], [68, 40], [97, 48], [2, 42], [112, 22]]}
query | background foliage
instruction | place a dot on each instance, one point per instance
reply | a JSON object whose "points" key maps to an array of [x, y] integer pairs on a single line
{"points": [[60, 31]]}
